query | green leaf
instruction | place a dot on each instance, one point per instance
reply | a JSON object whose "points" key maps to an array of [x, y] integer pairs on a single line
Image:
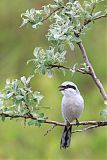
{"points": [[96, 14], [103, 113], [9, 95], [50, 74], [3, 117], [105, 102], [7, 81], [38, 96], [37, 123], [43, 70], [73, 69], [1, 103], [41, 115], [23, 79], [29, 79], [19, 97], [17, 94], [71, 46]]}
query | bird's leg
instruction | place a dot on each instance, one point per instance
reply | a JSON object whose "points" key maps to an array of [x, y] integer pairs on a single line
{"points": [[67, 123], [77, 122]]}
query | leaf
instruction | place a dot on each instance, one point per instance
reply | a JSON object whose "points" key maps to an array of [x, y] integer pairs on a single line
{"points": [[1, 95], [37, 96], [43, 70], [23, 79], [19, 97], [25, 21], [36, 50], [35, 26], [71, 46], [50, 74], [98, 1], [37, 123], [103, 113], [3, 117], [63, 71], [31, 123], [29, 78], [96, 14], [105, 102], [9, 95], [41, 115], [7, 81], [73, 69], [1, 103]]}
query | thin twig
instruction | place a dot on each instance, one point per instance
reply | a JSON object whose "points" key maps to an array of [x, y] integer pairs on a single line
{"points": [[101, 16], [85, 129], [91, 20], [85, 23], [81, 70], [51, 13], [94, 5], [92, 72], [50, 129]]}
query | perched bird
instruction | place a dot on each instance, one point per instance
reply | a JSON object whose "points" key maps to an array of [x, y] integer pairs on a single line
{"points": [[72, 107]]}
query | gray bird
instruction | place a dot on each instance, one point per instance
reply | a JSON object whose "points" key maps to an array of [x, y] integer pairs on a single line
{"points": [[72, 107]]}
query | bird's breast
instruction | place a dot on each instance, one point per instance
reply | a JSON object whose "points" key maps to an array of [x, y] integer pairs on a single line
{"points": [[72, 107]]}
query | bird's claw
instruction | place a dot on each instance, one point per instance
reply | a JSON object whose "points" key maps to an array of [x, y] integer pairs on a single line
{"points": [[77, 122]]}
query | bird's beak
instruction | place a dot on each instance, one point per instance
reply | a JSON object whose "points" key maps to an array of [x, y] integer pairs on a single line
{"points": [[61, 88]]}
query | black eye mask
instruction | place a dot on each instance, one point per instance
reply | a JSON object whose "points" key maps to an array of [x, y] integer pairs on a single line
{"points": [[66, 87], [70, 86]]}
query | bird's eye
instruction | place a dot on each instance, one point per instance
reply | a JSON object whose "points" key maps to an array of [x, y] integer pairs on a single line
{"points": [[70, 86]]}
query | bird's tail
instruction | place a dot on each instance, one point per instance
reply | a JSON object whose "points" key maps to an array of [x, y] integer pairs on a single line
{"points": [[66, 137]]}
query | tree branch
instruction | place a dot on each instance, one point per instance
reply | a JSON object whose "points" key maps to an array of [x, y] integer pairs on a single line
{"points": [[92, 72], [102, 16], [51, 14], [81, 70], [91, 20], [27, 116], [99, 17], [85, 57], [87, 128], [94, 5]]}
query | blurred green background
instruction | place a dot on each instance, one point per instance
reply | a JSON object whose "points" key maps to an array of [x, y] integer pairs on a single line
{"points": [[16, 47]]}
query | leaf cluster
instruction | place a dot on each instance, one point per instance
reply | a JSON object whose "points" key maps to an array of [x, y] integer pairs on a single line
{"points": [[44, 58], [18, 98], [68, 22]]}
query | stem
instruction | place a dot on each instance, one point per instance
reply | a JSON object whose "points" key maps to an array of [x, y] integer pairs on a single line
{"points": [[81, 70], [92, 72], [54, 11], [85, 129]]}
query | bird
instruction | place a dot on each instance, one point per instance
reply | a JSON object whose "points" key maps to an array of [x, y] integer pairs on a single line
{"points": [[72, 106]]}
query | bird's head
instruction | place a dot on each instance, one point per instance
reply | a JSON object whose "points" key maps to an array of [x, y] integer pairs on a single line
{"points": [[68, 88]]}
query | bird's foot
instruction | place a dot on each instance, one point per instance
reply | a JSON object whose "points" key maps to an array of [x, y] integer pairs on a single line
{"points": [[77, 122]]}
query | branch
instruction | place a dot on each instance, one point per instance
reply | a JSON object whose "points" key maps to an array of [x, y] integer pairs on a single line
{"points": [[99, 123], [85, 23], [27, 116], [102, 16], [90, 124], [87, 128], [92, 72], [91, 20], [81, 70], [51, 13], [99, 17], [94, 5]]}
